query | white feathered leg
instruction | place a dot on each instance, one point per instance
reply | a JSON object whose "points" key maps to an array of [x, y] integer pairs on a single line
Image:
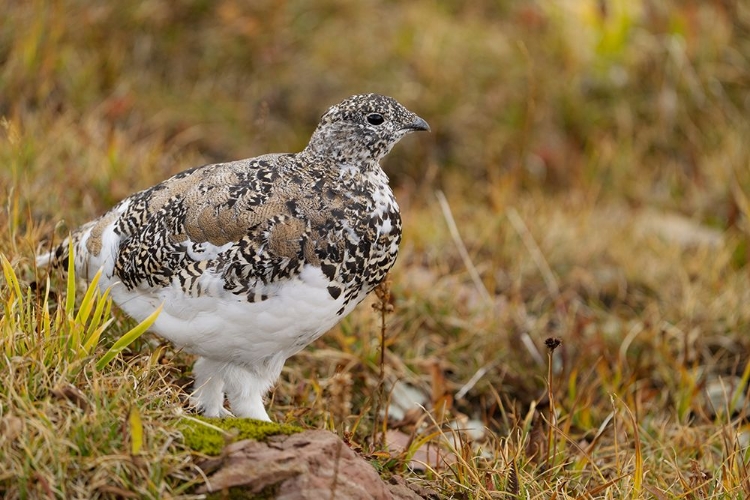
{"points": [[208, 389], [246, 388]]}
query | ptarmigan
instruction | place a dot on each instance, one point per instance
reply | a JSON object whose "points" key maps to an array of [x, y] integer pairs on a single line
{"points": [[254, 259]]}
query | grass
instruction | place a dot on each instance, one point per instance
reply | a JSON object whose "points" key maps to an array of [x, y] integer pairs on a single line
{"points": [[593, 166]]}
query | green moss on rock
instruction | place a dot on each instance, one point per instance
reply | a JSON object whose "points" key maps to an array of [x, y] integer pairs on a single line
{"points": [[210, 435]]}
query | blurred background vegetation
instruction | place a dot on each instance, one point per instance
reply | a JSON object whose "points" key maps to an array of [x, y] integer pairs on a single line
{"points": [[640, 100], [594, 154]]}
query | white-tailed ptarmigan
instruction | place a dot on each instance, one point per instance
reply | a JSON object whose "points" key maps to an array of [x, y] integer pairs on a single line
{"points": [[254, 259]]}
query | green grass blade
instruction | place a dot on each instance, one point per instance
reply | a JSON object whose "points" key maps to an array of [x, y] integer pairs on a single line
{"points": [[128, 338], [10, 277], [89, 298], [92, 339], [96, 327], [740, 389], [46, 320], [70, 298], [8, 316]]}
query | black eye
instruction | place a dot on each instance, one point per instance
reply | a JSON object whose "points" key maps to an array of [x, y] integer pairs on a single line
{"points": [[375, 119]]}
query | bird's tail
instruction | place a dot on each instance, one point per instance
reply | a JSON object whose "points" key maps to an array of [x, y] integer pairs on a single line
{"points": [[45, 259], [59, 255]]}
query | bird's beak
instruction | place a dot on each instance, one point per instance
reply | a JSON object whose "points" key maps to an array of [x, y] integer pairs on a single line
{"points": [[417, 125]]}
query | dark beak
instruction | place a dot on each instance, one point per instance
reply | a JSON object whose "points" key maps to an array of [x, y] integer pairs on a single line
{"points": [[417, 125]]}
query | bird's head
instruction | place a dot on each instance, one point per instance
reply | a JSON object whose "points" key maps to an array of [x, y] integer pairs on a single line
{"points": [[363, 127]]}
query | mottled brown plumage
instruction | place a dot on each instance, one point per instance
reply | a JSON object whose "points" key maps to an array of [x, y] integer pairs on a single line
{"points": [[277, 248]]}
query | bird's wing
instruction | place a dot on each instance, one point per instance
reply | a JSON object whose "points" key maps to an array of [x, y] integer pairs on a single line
{"points": [[240, 227], [188, 220]]}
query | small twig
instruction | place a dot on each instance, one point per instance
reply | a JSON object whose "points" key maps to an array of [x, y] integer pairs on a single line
{"points": [[618, 467], [552, 344], [541, 263], [473, 273], [383, 292]]}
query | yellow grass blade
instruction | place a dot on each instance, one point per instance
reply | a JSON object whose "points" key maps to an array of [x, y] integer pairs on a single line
{"points": [[96, 327], [128, 338], [93, 339], [740, 390], [87, 304], [70, 298], [10, 277], [136, 430], [46, 319], [638, 471], [7, 318]]}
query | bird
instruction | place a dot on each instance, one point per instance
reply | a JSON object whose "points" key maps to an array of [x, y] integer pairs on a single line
{"points": [[252, 260]]}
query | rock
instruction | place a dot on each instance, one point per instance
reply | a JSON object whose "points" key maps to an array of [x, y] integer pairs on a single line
{"points": [[723, 394], [308, 465], [427, 456], [405, 397], [678, 229]]}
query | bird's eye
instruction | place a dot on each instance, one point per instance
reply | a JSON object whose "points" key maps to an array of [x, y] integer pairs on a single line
{"points": [[375, 119]]}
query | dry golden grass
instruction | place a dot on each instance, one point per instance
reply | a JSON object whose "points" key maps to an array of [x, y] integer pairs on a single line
{"points": [[593, 156]]}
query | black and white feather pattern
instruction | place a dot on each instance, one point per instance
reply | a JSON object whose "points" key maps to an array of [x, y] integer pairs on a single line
{"points": [[254, 259]]}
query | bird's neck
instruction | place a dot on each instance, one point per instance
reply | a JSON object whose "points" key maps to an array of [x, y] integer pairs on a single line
{"points": [[349, 146], [343, 160]]}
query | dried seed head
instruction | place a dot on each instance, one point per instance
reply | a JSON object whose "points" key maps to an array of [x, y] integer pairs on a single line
{"points": [[552, 343]]}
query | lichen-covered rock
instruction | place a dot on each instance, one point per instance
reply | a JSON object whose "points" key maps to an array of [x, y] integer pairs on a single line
{"points": [[307, 465]]}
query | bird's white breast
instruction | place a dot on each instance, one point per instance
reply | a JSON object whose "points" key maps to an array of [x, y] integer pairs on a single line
{"points": [[224, 326]]}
